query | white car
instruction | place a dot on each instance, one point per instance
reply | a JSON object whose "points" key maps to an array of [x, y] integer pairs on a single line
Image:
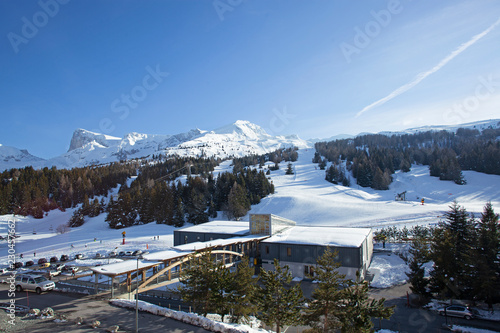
{"points": [[33, 282], [112, 254]]}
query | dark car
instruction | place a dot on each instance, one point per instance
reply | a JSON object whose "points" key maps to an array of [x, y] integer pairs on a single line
{"points": [[79, 256], [121, 254], [42, 261], [54, 259], [64, 257], [458, 311], [29, 263], [137, 252], [18, 264]]}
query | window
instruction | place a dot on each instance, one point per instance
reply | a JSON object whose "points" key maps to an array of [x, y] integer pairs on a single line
{"points": [[267, 249], [311, 270], [306, 271], [289, 251], [198, 238], [185, 239]]}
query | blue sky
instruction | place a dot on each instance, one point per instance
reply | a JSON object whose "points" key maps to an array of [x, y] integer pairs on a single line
{"points": [[312, 68]]}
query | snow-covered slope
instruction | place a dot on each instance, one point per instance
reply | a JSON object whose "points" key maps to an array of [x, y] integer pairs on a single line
{"points": [[238, 139], [479, 125], [11, 157]]}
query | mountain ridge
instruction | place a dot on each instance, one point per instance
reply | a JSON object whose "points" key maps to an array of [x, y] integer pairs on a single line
{"points": [[236, 139]]}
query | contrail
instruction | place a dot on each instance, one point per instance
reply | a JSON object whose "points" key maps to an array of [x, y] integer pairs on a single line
{"points": [[425, 74]]}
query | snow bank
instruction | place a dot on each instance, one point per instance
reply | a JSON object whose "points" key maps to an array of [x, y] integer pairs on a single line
{"points": [[188, 318], [388, 269], [464, 329]]}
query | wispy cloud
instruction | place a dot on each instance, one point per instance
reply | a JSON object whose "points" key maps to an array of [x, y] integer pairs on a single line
{"points": [[421, 76]]}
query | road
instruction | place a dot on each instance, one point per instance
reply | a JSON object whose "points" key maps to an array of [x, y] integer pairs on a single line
{"points": [[89, 308], [416, 320]]}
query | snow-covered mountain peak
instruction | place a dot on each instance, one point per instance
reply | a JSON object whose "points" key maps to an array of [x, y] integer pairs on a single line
{"points": [[82, 137], [11, 157], [244, 128]]}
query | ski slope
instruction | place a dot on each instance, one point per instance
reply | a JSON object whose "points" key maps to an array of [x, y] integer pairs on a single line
{"points": [[308, 199], [304, 197]]}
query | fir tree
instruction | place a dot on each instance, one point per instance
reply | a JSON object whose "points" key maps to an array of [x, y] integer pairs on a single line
{"points": [[241, 299], [419, 255], [323, 311], [451, 251], [486, 258], [238, 203], [279, 302], [359, 309]]}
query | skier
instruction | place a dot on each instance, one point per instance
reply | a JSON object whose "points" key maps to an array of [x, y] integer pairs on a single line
{"points": [[21, 256], [72, 246]]}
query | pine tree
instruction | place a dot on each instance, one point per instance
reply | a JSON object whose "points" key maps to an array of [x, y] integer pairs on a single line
{"points": [[289, 170], [279, 302], [241, 297], [238, 203], [486, 258], [452, 253], [326, 303], [419, 255], [77, 219], [204, 282], [359, 309]]}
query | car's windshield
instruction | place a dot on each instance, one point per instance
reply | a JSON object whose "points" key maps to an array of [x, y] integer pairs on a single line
{"points": [[40, 279]]}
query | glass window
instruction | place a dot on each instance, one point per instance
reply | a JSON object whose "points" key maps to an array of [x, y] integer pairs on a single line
{"points": [[289, 251], [267, 249]]}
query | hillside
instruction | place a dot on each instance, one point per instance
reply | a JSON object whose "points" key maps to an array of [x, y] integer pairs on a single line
{"points": [[304, 197]]}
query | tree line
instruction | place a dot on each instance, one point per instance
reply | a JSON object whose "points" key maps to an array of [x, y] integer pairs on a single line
{"points": [[465, 252], [372, 159], [33, 192], [336, 303]]}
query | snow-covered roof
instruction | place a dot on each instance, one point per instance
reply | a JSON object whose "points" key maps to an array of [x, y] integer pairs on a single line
{"points": [[122, 267], [164, 255], [221, 227], [331, 236], [218, 242]]}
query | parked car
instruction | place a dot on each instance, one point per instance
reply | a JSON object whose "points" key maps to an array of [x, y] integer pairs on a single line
{"points": [[70, 269], [59, 266], [79, 256], [64, 257], [98, 255], [33, 282], [458, 311], [121, 254], [112, 254], [45, 265], [42, 261], [136, 252], [54, 271], [29, 263], [128, 253], [3, 271], [54, 259], [18, 264]]}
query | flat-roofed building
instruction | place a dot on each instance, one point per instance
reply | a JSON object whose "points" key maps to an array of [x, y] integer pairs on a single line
{"points": [[300, 246]]}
